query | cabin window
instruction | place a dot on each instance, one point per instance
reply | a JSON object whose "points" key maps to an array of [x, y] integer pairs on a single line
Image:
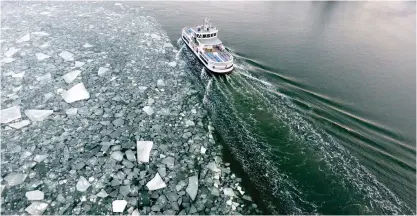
{"points": [[215, 34], [204, 36]]}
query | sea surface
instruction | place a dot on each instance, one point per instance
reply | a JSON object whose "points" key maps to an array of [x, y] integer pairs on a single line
{"points": [[319, 115]]}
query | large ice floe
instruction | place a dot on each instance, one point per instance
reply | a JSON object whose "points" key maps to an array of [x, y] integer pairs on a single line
{"points": [[111, 123]]}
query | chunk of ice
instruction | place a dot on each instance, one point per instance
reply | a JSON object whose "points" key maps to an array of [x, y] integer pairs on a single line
{"points": [[36, 208], [87, 45], [71, 111], [117, 4], [135, 212], [156, 183], [25, 38], [143, 150], [169, 161], [38, 115], [119, 205], [35, 195], [155, 36], [18, 75], [229, 192], [70, 76], [10, 52], [203, 150], [41, 56], [7, 60], [21, 124], [130, 155], [192, 187], [49, 95], [10, 114], [15, 178], [117, 155], [40, 34], [213, 167], [76, 93], [79, 64], [102, 71], [148, 110], [82, 184], [67, 56], [160, 83], [102, 194], [40, 158], [172, 64]]}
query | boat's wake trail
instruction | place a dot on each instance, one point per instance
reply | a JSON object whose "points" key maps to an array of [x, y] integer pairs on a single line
{"points": [[177, 56]]}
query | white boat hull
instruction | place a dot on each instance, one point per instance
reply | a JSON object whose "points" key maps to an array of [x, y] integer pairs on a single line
{"points": [[210, 67]]}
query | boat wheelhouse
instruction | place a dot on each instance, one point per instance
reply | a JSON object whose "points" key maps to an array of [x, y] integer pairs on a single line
{"points": [[208, 48]]}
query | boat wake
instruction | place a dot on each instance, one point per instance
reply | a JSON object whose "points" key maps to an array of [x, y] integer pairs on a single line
{"points": [[292, 164]]}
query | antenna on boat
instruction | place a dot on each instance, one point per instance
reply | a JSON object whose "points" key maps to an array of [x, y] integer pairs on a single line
{"points": [[206, 23]]}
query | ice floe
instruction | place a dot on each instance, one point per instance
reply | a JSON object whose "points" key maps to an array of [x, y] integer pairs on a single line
{"points": [[38, 115], [203, 150], [229, 192], [71, 111], [172, 64], [192, 187], [160, 83], [117, 155], [102, 194], [8, 60], [25, 38], [70, 76], [39, 158], [40, 34], [76, 93], [148, 110], [18, 75], [119, 205], [21, 124], [87, 45], [10, 52], [143, 150], [10, 114], [34, 195], [155, 36], [130, 155], [67, 56], [156, 183], [78, 64], [36, 208], [14, 179], [41, 56], [102, 71], [82, 184]]}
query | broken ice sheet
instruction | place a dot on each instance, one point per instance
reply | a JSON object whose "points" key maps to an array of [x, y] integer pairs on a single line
{"points": [[41, 56], [18, 75], [87, 45], [76, 93], [67, 56], [35, 195], [82, 184], [78, 64], [15, 178], [38, 115], [172, 64], [10, 52], [70, 76], [102, 71], [40, 34], [143, 150], [36, 208], [10, 114], [148, 110], [24, 39], [192, 187], [156, 183], [21, 124], [7, 60], [119, 205], [71, 111]]}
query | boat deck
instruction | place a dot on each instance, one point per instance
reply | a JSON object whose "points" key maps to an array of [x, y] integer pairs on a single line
{"points": [[217, 55]]}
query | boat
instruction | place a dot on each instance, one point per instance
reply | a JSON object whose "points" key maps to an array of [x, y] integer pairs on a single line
{"points": [[202, 40]]}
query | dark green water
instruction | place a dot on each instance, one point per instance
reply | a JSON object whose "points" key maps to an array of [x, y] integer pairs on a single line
{"points": [[320, 111]]}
